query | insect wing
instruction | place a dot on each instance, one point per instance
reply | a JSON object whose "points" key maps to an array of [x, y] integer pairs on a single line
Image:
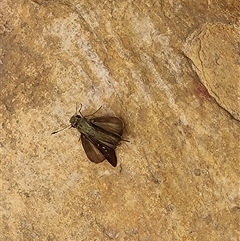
{"points": [[109, 154], [92, 152], [97, 152], [109, 123]]}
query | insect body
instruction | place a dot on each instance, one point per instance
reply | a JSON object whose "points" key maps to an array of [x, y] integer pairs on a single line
{"points": [[100, 136]]}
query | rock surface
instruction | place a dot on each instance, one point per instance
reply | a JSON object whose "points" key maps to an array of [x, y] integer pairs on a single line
{"points": [[170, 70]]}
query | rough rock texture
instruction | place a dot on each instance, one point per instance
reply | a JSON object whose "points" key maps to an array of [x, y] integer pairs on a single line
{"points": [[170, 70]]}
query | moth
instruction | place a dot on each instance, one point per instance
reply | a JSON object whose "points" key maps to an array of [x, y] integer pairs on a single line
{"points": [[99, 136]]}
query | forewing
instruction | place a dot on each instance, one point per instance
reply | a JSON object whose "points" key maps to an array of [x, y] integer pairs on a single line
{"points": [[92, 152], [110, 124], [109, 154], [97, 152], [107, 151]]}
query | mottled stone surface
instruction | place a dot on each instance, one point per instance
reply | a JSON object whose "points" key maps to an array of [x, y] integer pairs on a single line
{"points": [[170, 70]]}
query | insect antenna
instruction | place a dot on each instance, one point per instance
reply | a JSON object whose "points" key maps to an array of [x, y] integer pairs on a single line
{"points": [[79, 111], [95, 111], [69, 126]]}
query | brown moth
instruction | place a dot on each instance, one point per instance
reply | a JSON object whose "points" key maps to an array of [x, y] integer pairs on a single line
{"points": [[100, 136]]}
